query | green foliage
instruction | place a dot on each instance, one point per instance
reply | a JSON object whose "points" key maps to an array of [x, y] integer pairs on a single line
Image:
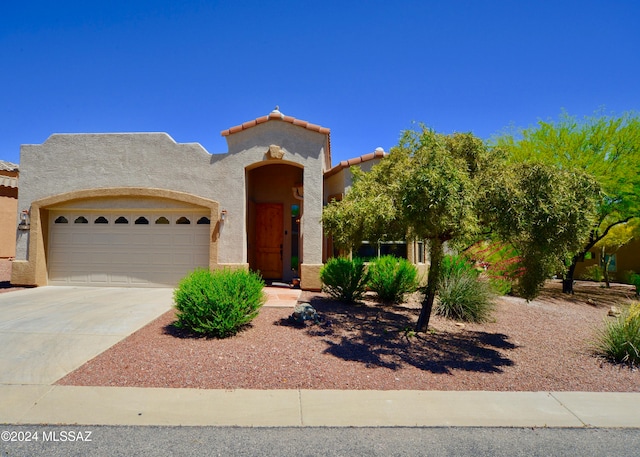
{"points": [[462, 294], [427, 188], [345, 279], [457, 265], [546, 214], [619, 341], [391, 278], [218, 303], [606, 148], [594, 273], [501, 262], [634, 279]]}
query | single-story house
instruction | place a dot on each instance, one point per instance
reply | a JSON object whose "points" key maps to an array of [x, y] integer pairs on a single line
{"points": [[140, 210], [8, 208]]}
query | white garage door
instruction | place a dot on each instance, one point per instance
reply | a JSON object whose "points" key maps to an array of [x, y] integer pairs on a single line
{"points": [[126, 248]]}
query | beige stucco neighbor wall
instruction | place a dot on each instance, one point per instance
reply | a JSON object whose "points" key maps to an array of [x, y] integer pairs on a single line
{"points": [[627, 260], [8, 223]]}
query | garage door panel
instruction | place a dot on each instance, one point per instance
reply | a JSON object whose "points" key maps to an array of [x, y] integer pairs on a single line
{"points": [[125, 254]]}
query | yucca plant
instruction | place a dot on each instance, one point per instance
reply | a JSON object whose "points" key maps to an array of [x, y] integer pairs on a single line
{"points": [[462, 294], [619, 340]]}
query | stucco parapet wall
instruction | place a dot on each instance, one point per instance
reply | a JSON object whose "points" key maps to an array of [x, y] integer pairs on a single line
{"points": [[143, 136]]}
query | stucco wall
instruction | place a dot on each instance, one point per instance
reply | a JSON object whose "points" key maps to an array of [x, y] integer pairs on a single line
{"points": [[627, 260], [8, 223], [69, 163], [300, 146]]}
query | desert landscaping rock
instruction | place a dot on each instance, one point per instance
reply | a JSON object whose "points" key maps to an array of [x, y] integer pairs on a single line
{"points": [[542, 345]]}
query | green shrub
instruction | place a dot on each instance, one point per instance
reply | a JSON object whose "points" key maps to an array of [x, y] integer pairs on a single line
{"points": [[462, 294], [345, 279], [635, 280], [456, 265], [218, 303], [619, 341], [594, 273], [392, 277], [501, 263]]}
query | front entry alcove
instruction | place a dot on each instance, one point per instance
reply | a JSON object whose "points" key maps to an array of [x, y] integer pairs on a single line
{"points": [[274, 209]]}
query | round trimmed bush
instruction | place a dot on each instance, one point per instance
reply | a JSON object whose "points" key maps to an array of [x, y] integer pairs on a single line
{"points": [[218, 303], [392, 277], [345, 279]]}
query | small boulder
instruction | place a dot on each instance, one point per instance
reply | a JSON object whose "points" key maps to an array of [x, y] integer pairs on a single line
{"points": [[614, 311], [304, 312]]}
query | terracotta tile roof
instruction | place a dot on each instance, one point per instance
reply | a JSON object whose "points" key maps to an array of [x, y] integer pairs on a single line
{"points": [[275, 115], [8, 166], [377, 154]]}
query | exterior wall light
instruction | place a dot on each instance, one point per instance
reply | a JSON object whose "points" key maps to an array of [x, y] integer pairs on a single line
{"points": [[24, 220], [223, 215]]}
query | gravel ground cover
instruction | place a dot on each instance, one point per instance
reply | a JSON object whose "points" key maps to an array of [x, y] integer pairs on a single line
{"points": [[542, 345]]}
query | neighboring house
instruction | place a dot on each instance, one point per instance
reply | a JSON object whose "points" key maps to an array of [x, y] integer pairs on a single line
{"points": [[139, 209], [625, 260], [8, 208]]}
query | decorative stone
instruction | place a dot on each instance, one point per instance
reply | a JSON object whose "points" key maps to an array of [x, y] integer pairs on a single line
{"points": [[304, 312], [614, 311], [275, 152]]}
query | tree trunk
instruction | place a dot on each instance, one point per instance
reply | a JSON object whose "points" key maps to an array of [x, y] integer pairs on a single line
{"points": [[436, 253], [605, 269], [567, 282]]}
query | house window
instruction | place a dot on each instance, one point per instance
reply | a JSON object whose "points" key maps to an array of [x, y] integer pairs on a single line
{"points": [[369, 250], [142, 221], [611, 261], [61, 220], [420, 257], [122, 220], [162, 220], [183, 220], [101, 220], [204, 221], [81, 220]]}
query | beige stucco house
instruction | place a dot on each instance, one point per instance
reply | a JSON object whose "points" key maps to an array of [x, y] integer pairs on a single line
{"points": [[8, 208], [625, 261], [140, 210]]}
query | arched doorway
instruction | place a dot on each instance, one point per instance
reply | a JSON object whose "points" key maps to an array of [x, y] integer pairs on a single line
{"points": [[274, 209]]}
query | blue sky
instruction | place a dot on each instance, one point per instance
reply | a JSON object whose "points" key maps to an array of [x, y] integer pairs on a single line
{"points": [[367, 70]]}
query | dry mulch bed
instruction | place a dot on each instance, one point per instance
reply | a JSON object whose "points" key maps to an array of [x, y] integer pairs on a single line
{"points": [[543, 345]]}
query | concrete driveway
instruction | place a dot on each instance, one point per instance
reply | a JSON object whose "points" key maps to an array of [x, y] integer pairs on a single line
{"points": [[47, 332]]}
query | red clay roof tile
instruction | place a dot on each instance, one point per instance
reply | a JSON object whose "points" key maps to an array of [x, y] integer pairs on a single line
{"points": [[276, 115], [377, 154]]}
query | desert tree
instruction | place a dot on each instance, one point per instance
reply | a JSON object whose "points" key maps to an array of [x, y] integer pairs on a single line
{"points": [[604, 147], [428, 188]]}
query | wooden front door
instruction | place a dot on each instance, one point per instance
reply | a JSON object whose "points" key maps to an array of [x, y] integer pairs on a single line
{"points": [[269, 239]]}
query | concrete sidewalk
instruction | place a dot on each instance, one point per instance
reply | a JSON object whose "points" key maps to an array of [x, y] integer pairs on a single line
{"points": [[296, 408]]}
